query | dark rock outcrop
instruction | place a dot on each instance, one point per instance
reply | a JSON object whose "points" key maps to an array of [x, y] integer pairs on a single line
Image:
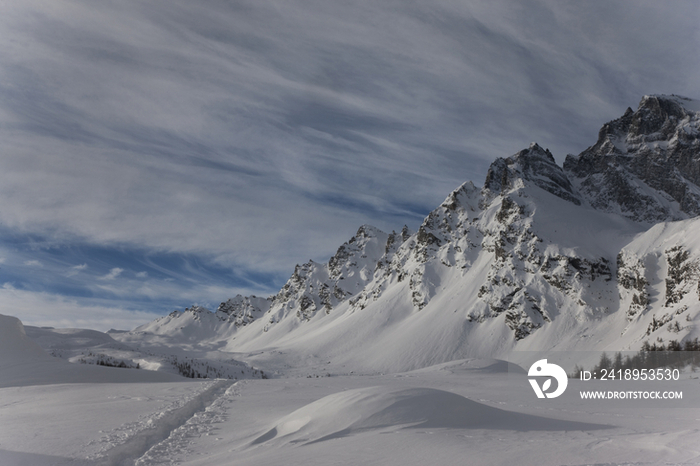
{"points": [[646, 164]]}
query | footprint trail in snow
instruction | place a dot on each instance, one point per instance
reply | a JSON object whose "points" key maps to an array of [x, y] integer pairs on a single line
{"points": [[163, 438]]}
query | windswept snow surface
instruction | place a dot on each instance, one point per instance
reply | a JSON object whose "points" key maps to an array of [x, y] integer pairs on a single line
{"points": [[95, 424], [375, 357], [471, 412]]}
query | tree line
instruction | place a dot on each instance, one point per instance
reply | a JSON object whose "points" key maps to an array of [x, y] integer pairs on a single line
{"points": [[651, 356]]}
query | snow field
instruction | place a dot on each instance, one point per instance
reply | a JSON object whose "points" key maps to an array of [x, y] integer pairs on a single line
{"points": [[449, 414], [157, 353], [159, 427], [53, 412], [462, 412], [99, 424]]}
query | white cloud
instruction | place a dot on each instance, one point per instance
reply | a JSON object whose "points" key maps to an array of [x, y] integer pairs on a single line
{"points": [[264, 135], [204, 294], [114, 273], [76, 269], [50, 310], [33, 263], [284, 127]]}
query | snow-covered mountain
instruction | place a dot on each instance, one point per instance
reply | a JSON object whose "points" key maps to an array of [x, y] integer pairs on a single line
{"points": [[601, 253], [645, 164]]}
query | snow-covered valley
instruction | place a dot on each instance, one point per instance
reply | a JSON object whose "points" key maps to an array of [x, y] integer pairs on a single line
{"points": [[600, 255], [412, 347], [463, 412]]}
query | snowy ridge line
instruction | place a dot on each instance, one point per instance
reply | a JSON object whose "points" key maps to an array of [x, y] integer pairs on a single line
{"points": [[594, 254], [127, 453]]}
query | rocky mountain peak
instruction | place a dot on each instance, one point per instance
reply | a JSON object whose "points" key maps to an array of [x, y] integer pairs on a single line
{"points": [[366, 232], [532, 165], [242, 310], [368, 240], [488, 268], [657, 114], [459, 196], [646, 164], [656, 119]]}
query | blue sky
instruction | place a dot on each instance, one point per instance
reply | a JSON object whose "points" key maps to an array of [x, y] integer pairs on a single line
{"points": [[159, 154]]}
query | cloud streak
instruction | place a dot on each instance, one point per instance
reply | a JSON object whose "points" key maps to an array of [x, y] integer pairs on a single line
{"points": [[51, 310], [258, 134], [113, 273]]}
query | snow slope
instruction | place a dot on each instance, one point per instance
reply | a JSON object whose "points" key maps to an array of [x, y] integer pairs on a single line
{"points": [[463, 412], [528, 262], [174, 355], [23, 362], [367, 352]]}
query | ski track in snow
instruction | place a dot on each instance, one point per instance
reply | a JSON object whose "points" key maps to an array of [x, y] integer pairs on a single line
{"points": [[163, 437], [175, 448]]}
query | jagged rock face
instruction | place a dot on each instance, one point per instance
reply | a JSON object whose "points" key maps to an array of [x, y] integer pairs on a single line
{"points": [[442, 240], [666, 303], [243, 310], [645, 165], [368, 242], [682, 277], [493, 226], [314, 287], [504, 252], [632, 283], [535, 165]]}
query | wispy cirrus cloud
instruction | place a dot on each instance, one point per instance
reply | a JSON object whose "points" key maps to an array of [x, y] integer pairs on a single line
{"points": [[113, 273], [142, 281], [76, 269], [254, 135], [54, 310]]}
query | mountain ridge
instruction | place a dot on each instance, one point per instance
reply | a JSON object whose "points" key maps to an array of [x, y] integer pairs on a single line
{"points": [[538, 250], [656, 147]]}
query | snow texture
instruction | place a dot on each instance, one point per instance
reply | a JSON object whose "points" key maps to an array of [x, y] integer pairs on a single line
{"points": [[540, 257], [385, 354]]}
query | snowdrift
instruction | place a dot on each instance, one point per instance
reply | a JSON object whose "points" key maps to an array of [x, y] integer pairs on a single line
{"points": [[378, 408], [15, 346]]}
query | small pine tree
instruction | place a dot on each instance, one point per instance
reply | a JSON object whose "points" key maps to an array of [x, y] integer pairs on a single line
{"points": [[605, 362], [674, 345], [617, 362]]}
